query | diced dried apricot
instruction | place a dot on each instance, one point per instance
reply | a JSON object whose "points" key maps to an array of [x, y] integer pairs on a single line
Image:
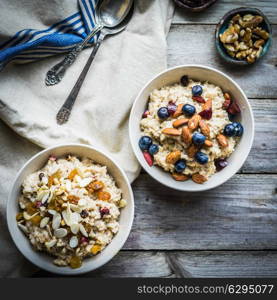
{"points": [[72, 174], [73, 199], [75, 262], [95, 249], [36, 219], [97, 185], [31, 209], [105, 196]]}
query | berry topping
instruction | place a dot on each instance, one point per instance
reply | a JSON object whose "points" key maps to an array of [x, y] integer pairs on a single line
{"points": [[84, 240], [148, 158], [171, 107], [163, 113], [199, 99], [206, 114], [233, 108], [184, 80], [104, 211], [153, 149], [198, 138], [145, 114], [201, 158], [180, 165], [229, 130], [84, 213], [220, 164], [188, 110], [145, 142], [238, 129], [197, 90]]}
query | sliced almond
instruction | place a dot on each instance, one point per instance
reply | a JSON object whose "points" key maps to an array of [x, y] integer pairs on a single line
{"points": [[171, 131], [44, 222], [207, 105], [84, 182], [198, 178], [51, 243], [186, 135], [75, 228], [208, 143], [178, 112], [191, 151], [173, 156], [56, 221], [205, 129], [83, 230], [180, 177], [194, 122], [222, 140], [180, 122]]}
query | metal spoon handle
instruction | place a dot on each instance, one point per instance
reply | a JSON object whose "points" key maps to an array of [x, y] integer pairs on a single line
{"points": [[56, 73], [64, 112]]}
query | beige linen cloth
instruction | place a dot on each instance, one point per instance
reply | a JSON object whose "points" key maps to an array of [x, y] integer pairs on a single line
{"points": [[124, 63]]}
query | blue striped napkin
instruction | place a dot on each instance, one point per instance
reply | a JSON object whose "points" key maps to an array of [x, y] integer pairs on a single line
{"points": [[29, 45]]}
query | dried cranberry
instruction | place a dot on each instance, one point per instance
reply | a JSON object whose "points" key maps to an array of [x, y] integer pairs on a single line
{"points": [[184, 80], [148, 158], [104, 211], [145, 114], [84, 213], [171, 107], [199, 99], [52, 157], [38, 204], [206, 114], [233, 109], [84, 240], [220, 164]]}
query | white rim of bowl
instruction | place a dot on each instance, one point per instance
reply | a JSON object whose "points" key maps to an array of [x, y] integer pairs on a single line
{"points": [[74, 271], [134, 143]]}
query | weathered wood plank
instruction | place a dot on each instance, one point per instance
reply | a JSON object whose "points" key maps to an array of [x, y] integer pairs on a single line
{"points": [[240, 214], [192, 44], [263, 156], [187, 264], [213, 14]]}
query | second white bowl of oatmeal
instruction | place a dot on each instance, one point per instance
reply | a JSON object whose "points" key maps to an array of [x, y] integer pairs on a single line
{"points": [[200, 73], [44, 260]]}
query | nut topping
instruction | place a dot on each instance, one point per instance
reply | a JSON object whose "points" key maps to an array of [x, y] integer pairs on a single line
{"points": [[173, 156], [222, 140], [171, 131]]}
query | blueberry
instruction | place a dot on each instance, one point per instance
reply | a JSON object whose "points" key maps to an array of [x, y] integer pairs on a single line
{"points": [[238, 129], [196, 90], [163, 113], [180, 165], [201, 158], [229, 130], [145, 142], [153, 149], [188, 110], [184, 80], [198, 138]]}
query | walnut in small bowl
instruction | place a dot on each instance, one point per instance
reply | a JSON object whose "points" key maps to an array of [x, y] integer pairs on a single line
{"points": [[243, 36]]}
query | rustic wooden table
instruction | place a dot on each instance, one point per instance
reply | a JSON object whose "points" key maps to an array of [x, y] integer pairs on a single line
{"points": [[230, 231]]}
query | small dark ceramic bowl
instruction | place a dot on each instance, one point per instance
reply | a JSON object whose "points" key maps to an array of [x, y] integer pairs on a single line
{"points": [[189, 5], [223, 25]]}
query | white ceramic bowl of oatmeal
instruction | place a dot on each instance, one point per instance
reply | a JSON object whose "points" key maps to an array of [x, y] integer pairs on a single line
{"points": [[86, 211], [165, 88]]}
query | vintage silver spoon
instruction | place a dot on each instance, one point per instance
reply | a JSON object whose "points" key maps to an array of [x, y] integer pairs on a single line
{"points": [[64, 112], [109, 14]]}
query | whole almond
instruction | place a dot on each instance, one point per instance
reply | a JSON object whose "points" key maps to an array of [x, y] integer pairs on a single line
{"points": [[205, 129], [173, 156], [222, 140], [180, 122], [194, 122], [198, 178], [186, 135], [207, 105], [178, 112], [171, 131], [191, 151], [208, 143], [180, 177]]}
